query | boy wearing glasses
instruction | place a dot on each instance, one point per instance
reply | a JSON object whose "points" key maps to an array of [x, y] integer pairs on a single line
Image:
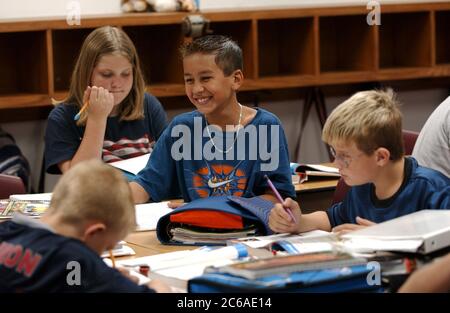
{"points": [[365, 136]]}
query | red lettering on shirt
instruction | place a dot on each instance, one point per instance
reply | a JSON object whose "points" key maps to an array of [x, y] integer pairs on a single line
{"points": [[4, 250], [12, 256], [28, 263]]}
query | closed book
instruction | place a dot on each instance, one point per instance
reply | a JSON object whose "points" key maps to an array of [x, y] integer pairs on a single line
{"points": [[291, 263]]}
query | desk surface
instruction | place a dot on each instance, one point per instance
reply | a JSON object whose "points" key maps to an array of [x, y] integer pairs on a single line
{"points": [[146, 243], [318, 185]]}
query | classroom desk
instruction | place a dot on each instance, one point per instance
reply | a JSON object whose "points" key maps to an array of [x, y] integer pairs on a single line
{"points": [[148, 243], [140, 251], [315, 195]]}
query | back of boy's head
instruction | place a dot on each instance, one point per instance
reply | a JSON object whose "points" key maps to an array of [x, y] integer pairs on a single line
{"points": [[228, 53], [94, 191], [371, 119]]}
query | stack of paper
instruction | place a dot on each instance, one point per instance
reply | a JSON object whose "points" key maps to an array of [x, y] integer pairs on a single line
{"points": [[191, 236], [176, 268]]}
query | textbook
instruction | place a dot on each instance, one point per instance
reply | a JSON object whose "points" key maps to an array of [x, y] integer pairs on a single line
{"points": [[288, 264], [306, 171], [31, 208]]}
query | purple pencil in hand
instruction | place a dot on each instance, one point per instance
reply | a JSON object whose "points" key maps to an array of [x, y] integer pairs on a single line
{"points": [[277, 194]]}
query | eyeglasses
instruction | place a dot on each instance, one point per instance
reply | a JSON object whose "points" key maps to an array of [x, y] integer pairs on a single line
{"points": [[345, 160]]}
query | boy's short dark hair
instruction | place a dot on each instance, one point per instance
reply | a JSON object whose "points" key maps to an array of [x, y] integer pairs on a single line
{"points": [[228, 53]]}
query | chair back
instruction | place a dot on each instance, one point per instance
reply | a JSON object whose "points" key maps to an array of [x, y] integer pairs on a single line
{"points": [[10, 185], [409, 140]]}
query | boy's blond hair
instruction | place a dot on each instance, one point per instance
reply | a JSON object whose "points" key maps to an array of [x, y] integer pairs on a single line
{"points": [[371, 119], [94, 191], [103, 41]]}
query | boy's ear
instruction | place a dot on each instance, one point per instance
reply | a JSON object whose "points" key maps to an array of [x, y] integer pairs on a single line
{"points": [[238, 79], [94, 229], [383, 155]]}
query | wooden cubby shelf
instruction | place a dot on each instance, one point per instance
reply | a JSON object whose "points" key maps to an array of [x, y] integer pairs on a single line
{"points": [[282, 55], [157, 46], [23, 63], [283, 48], [347, 44], [66, 47], [442, 19], [241, 32], [405, 40]]}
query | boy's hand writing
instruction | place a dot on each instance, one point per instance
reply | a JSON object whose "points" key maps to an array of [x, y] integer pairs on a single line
{"points": [[280, 221]]}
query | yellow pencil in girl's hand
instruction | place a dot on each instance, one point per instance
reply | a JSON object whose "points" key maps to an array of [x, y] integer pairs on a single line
{"points": [[83, 108]]}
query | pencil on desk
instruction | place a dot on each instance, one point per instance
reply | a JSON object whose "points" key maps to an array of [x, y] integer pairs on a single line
{"points": [[113, 260], [83, 108]]}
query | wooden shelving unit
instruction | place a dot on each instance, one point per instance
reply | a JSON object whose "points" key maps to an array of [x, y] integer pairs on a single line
{"points": [[283, 48]]}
